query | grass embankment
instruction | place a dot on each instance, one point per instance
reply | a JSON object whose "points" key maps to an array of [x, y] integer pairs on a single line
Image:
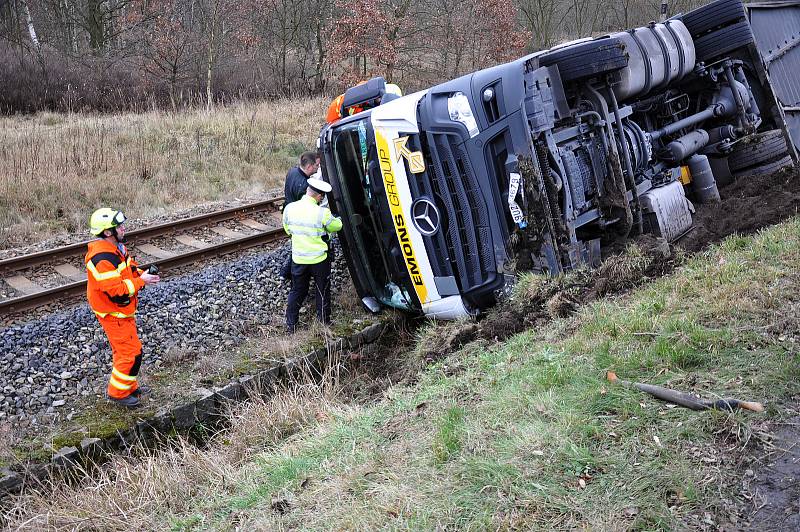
{"points": [[55, 168], [520, 434]]}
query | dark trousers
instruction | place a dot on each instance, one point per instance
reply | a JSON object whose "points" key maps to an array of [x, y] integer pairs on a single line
{"points": [[301, 277]]}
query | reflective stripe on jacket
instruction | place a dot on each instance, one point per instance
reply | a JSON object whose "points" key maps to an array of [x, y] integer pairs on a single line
{"points": [[307, 222], [113, 281]]}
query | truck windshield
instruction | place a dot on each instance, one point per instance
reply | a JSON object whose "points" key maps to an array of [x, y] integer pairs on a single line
{"points": [[362, 189]]}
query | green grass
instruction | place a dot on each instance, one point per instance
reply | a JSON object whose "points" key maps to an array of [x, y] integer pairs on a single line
{"points": [[528, 434], [449, 434]]}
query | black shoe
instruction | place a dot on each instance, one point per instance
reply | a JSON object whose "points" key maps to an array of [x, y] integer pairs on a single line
{"points": [[128, 402], [290, 329], [143, 389]]}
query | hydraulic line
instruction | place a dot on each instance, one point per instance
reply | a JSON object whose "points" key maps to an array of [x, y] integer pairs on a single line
{"points": [[689, 121], [627, 159]]}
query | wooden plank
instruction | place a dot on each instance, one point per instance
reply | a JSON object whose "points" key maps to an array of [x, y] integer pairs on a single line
{"points": [[191, 241], [153, 251], [70, 272], [22, 284], [252, 224], [227, 233]]}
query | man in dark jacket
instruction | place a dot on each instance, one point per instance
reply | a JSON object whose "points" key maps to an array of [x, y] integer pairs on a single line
{"points": [[297, 178], [295, 188]]}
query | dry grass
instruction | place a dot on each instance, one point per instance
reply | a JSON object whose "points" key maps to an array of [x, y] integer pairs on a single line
{"points": [[55, 169], [146, 486]]}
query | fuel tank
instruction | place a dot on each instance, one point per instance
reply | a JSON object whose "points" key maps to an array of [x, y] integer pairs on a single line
{"points": [[658, 54]]}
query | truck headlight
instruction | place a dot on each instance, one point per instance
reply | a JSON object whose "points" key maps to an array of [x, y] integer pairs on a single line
{"points": [[460, 111]]}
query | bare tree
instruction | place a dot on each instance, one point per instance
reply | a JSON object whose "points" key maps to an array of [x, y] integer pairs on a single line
{"points": [[544, 19], [167, 54], [218, 21], [31, 29]]}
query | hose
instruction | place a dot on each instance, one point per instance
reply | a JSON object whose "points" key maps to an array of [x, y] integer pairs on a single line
{"points": [[627, 159]]}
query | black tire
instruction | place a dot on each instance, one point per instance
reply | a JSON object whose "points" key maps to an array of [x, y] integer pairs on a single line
{"points": [[757, 150], [587, 59], [764, 169], [720, 42], [714, 15]]}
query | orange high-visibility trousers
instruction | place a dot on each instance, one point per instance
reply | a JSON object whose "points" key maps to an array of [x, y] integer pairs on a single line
{"points": [[126, 350]]}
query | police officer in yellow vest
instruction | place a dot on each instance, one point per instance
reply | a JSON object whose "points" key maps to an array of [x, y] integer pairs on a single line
{"points": [[307, 222]]}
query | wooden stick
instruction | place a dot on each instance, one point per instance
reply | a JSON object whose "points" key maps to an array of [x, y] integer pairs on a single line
{"points": [[686, 399]]}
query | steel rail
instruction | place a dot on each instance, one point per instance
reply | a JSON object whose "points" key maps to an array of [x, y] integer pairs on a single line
{"points": [[29, 301], [42, 257]]}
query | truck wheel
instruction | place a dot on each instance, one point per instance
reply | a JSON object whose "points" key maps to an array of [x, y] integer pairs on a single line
{"points": [[587, 59], [714, 15], [764, 169], [722, 41], [759, 149]]}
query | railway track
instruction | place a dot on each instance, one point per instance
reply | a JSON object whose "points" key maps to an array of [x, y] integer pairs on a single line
{"points": [[61, 268]]}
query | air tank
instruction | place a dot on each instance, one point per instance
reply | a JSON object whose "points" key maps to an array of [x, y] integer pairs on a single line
{"points": [[703, 182], [658, 54]]}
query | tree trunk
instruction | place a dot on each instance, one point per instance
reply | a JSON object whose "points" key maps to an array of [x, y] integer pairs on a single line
{"points": [[210, 67], [69, 22], [31, 28], [95, 25]]}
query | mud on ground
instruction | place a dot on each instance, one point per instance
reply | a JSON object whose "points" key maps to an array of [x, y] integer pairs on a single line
{"points": [[747, 205], [772, 484]]}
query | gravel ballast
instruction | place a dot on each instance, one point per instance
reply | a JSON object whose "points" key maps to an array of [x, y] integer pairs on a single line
{"points": [[47, 362]]}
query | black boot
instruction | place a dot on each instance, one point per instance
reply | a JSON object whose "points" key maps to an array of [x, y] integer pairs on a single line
{"points": [[128, 402]]}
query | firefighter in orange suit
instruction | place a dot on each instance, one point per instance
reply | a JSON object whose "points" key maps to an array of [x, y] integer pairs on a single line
{"points": [[335, 108], [113, 283]]}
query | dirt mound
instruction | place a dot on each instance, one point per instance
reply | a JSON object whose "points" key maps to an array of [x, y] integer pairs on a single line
{"points": [[644, 258], [747, 205]]}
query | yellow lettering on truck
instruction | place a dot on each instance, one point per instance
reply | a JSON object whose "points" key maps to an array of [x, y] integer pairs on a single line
{"points": [[398, 218]]}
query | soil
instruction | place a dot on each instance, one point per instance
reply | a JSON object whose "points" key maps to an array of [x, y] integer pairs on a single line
{"points": [[773, 485], [373, 368], [747, 205], [560, 296]]}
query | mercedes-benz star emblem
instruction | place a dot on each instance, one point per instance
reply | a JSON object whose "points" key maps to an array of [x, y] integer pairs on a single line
{"points": [[426, 216]]}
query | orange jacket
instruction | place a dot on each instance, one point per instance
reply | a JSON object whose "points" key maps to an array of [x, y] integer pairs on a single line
{"points": [[113, 280], [335, 109]]}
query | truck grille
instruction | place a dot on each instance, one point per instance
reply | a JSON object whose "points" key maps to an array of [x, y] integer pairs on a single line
{"points": [[466, 230]]}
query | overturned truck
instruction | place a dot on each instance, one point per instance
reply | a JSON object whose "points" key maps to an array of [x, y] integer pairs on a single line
{"points": [[536, 164]]}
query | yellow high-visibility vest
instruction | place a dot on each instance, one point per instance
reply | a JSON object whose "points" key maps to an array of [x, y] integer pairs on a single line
{"points": [[306, 222]]}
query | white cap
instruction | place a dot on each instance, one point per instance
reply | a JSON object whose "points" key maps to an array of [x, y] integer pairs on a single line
{"points": [[319, 185]]}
